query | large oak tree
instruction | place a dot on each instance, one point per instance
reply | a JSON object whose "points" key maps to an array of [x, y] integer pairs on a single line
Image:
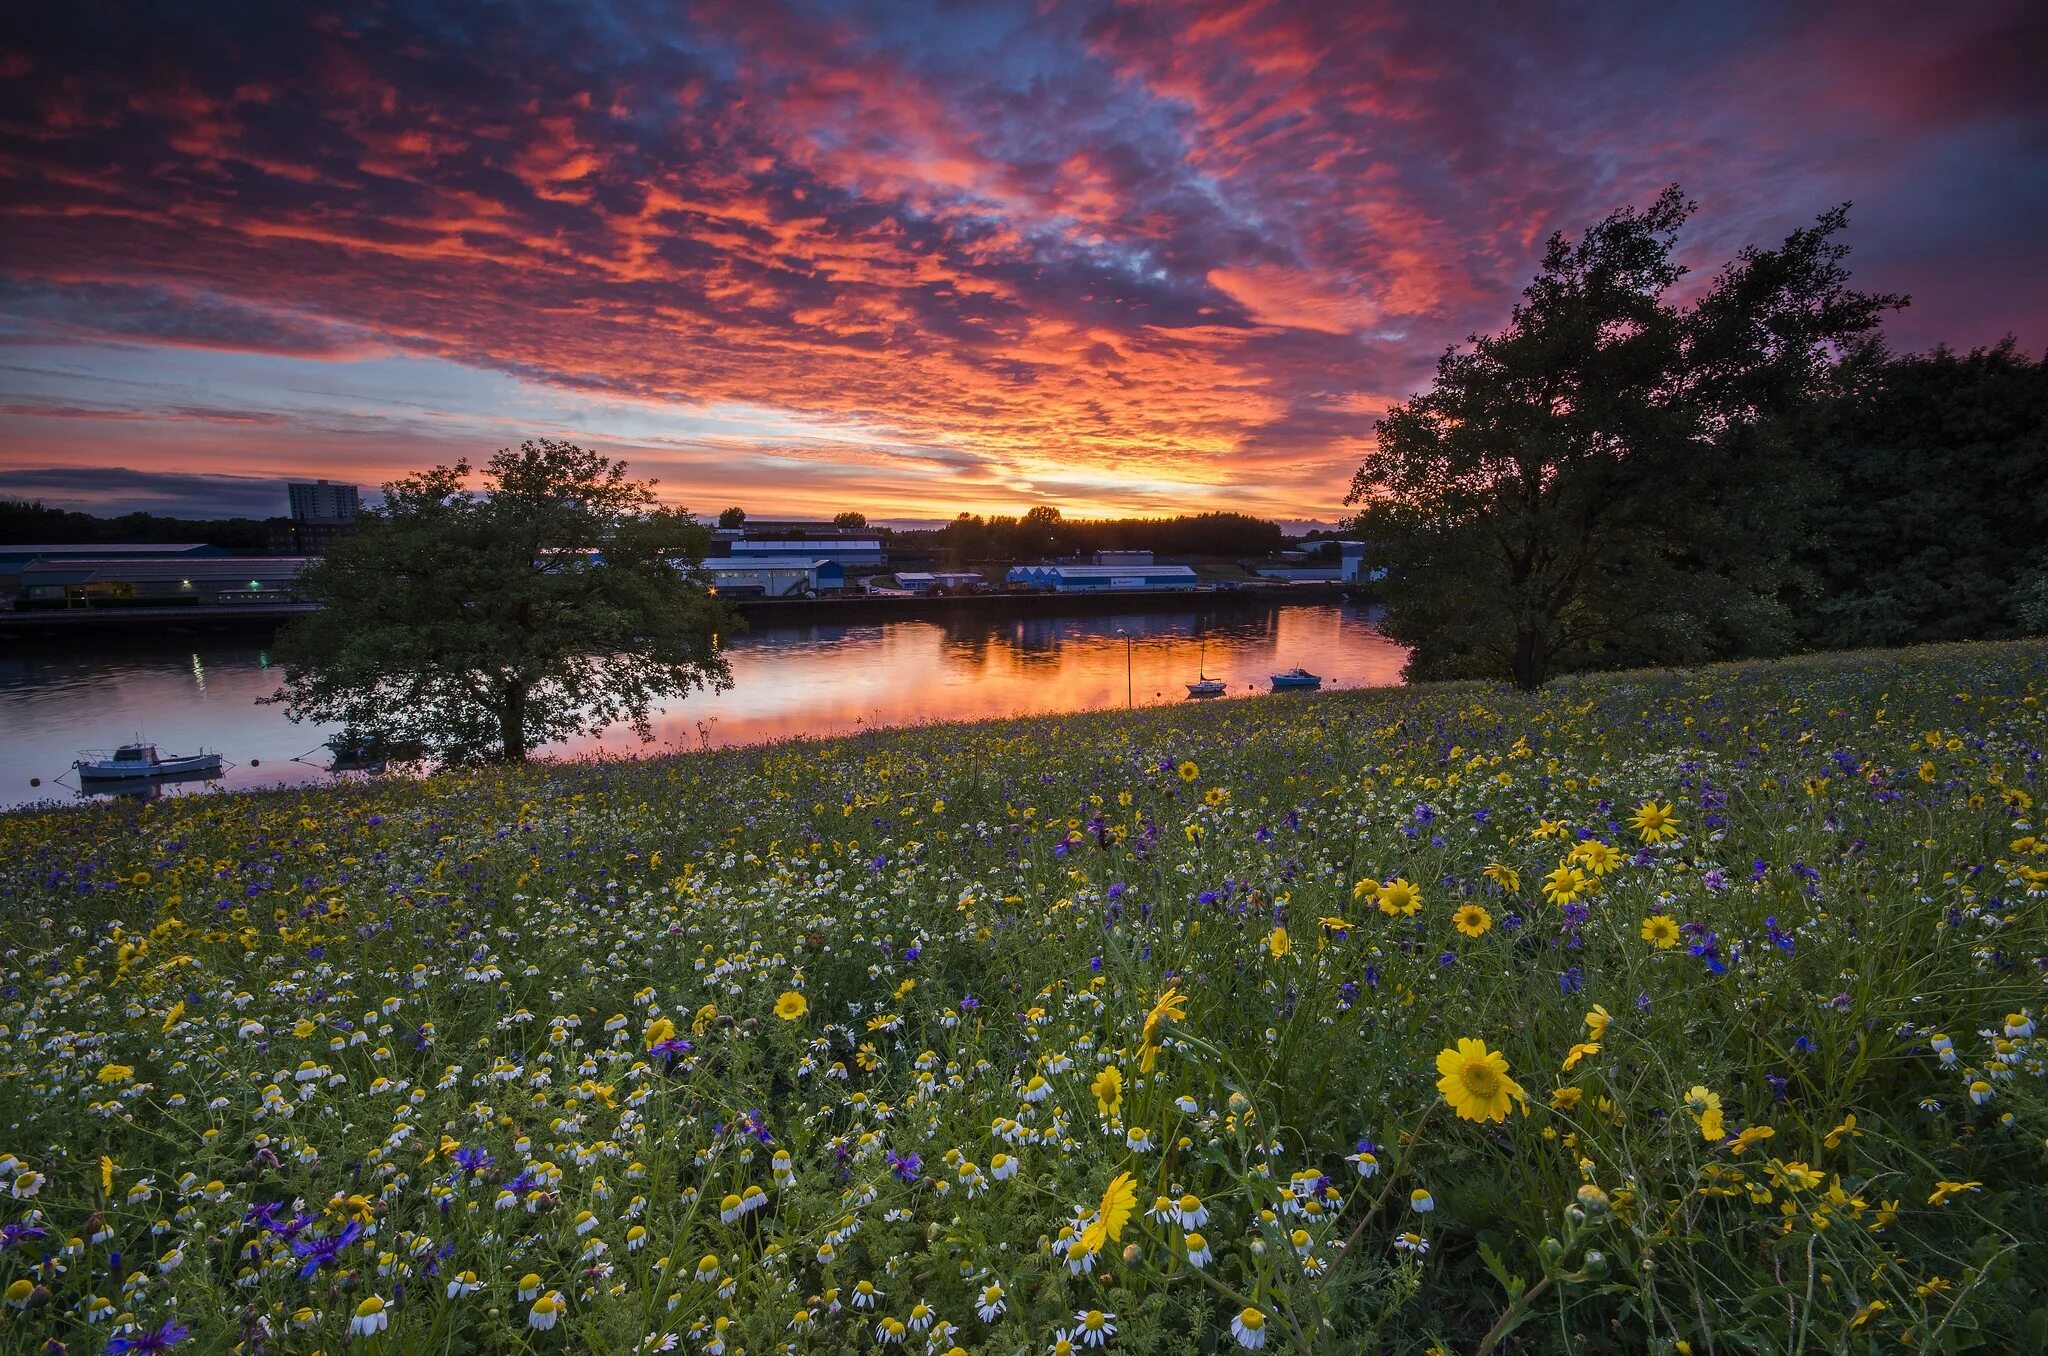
{"points": [[558, 601], [1608, 480]]}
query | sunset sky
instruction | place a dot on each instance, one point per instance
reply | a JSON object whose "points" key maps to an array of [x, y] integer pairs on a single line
{"points": [[914, 258]]}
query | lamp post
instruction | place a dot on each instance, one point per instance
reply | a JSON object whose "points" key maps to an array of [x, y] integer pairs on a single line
{"points": [[1129, 703]]}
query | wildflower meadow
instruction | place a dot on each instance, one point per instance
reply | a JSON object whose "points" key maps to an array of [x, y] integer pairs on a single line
{"points": [[1669, 1012]]}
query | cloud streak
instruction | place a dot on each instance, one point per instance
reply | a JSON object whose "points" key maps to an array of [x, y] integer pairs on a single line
{"points": [[974, 256]]}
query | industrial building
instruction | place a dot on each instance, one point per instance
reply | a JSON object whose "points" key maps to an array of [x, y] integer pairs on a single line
{"points": [[1349, 569], [157, 580], [1101, 578], [844, 550], [938, 581], [775, 576], [15, 559]]}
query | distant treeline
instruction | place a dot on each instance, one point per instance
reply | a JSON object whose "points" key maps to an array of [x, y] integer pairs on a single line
{"points": [[1040, 532], [1044, 532], [27, 523]]}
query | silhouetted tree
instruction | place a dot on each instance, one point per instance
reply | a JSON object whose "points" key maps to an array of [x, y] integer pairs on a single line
{"points": [[732, 517], [850, 519], [558, 602], [1607, 480]]}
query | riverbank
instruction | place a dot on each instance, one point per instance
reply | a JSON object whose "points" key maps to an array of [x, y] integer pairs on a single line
{"points": [[1660, 992]]}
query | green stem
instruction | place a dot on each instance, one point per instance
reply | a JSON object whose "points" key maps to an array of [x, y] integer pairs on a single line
{"points": [[1508, 1320]]}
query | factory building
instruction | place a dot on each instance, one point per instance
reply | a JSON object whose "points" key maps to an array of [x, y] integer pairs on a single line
{"points": [[1101, 578], [15, 559], [157, 580], [938, 581], [770, 576], [842, 550]]}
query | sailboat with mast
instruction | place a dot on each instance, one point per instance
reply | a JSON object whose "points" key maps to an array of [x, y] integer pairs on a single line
{"points": [[1205, 686]]}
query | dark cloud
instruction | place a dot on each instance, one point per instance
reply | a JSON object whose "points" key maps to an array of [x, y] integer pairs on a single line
{"points": [[117, 489]]}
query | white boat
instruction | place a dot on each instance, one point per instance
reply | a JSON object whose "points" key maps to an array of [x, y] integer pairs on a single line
{"points": [[1205, 686], [1296, 678], [141, 762]]}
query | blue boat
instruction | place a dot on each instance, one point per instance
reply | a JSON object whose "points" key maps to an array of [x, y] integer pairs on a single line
{"points": [[1296, 679]]}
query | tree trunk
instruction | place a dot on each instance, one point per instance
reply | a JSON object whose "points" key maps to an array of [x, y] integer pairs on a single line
{"points": [[1532, 656], [512, 725]]}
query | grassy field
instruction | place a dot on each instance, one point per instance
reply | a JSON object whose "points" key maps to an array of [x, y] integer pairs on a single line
{"points": [[1672, 1012]]}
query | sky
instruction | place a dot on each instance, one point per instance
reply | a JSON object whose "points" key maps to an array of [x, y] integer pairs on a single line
{"points": [[915, 257]]}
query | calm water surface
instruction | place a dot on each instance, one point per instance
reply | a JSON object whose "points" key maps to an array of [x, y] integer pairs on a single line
{"points": [[56, 700]]}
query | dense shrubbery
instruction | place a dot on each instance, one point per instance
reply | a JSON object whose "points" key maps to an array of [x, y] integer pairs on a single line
{"points": [[1666, 1012]]}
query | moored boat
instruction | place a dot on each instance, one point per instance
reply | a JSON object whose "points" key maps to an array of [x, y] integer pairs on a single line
{"points": [[1204, 685], [141, 762], [1296, 678], [370, 752]]}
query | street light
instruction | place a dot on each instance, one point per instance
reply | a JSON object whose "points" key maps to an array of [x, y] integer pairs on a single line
{"points": [[1129, 704]]}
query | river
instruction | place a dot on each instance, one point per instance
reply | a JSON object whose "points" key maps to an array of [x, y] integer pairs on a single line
{"points": [[185, 694]]}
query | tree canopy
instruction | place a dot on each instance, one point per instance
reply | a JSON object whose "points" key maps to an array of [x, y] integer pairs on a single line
{"points": [[561, 600], [1933, 471], [1608, 480]]}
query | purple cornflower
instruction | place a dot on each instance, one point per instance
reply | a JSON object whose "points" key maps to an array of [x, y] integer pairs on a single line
{"points": [[19, 1233], [318, 1252], [907, 1167], [473, 1161], [163, 1339]]}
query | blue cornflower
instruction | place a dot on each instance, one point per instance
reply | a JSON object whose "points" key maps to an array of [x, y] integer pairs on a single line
{"points": [[318, 1252], [163, 1339], [19, 1233], [1779, 938], [1709, 950]]}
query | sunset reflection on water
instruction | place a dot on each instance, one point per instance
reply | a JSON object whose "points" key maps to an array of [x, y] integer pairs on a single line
{"points": [[788, 681]]}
